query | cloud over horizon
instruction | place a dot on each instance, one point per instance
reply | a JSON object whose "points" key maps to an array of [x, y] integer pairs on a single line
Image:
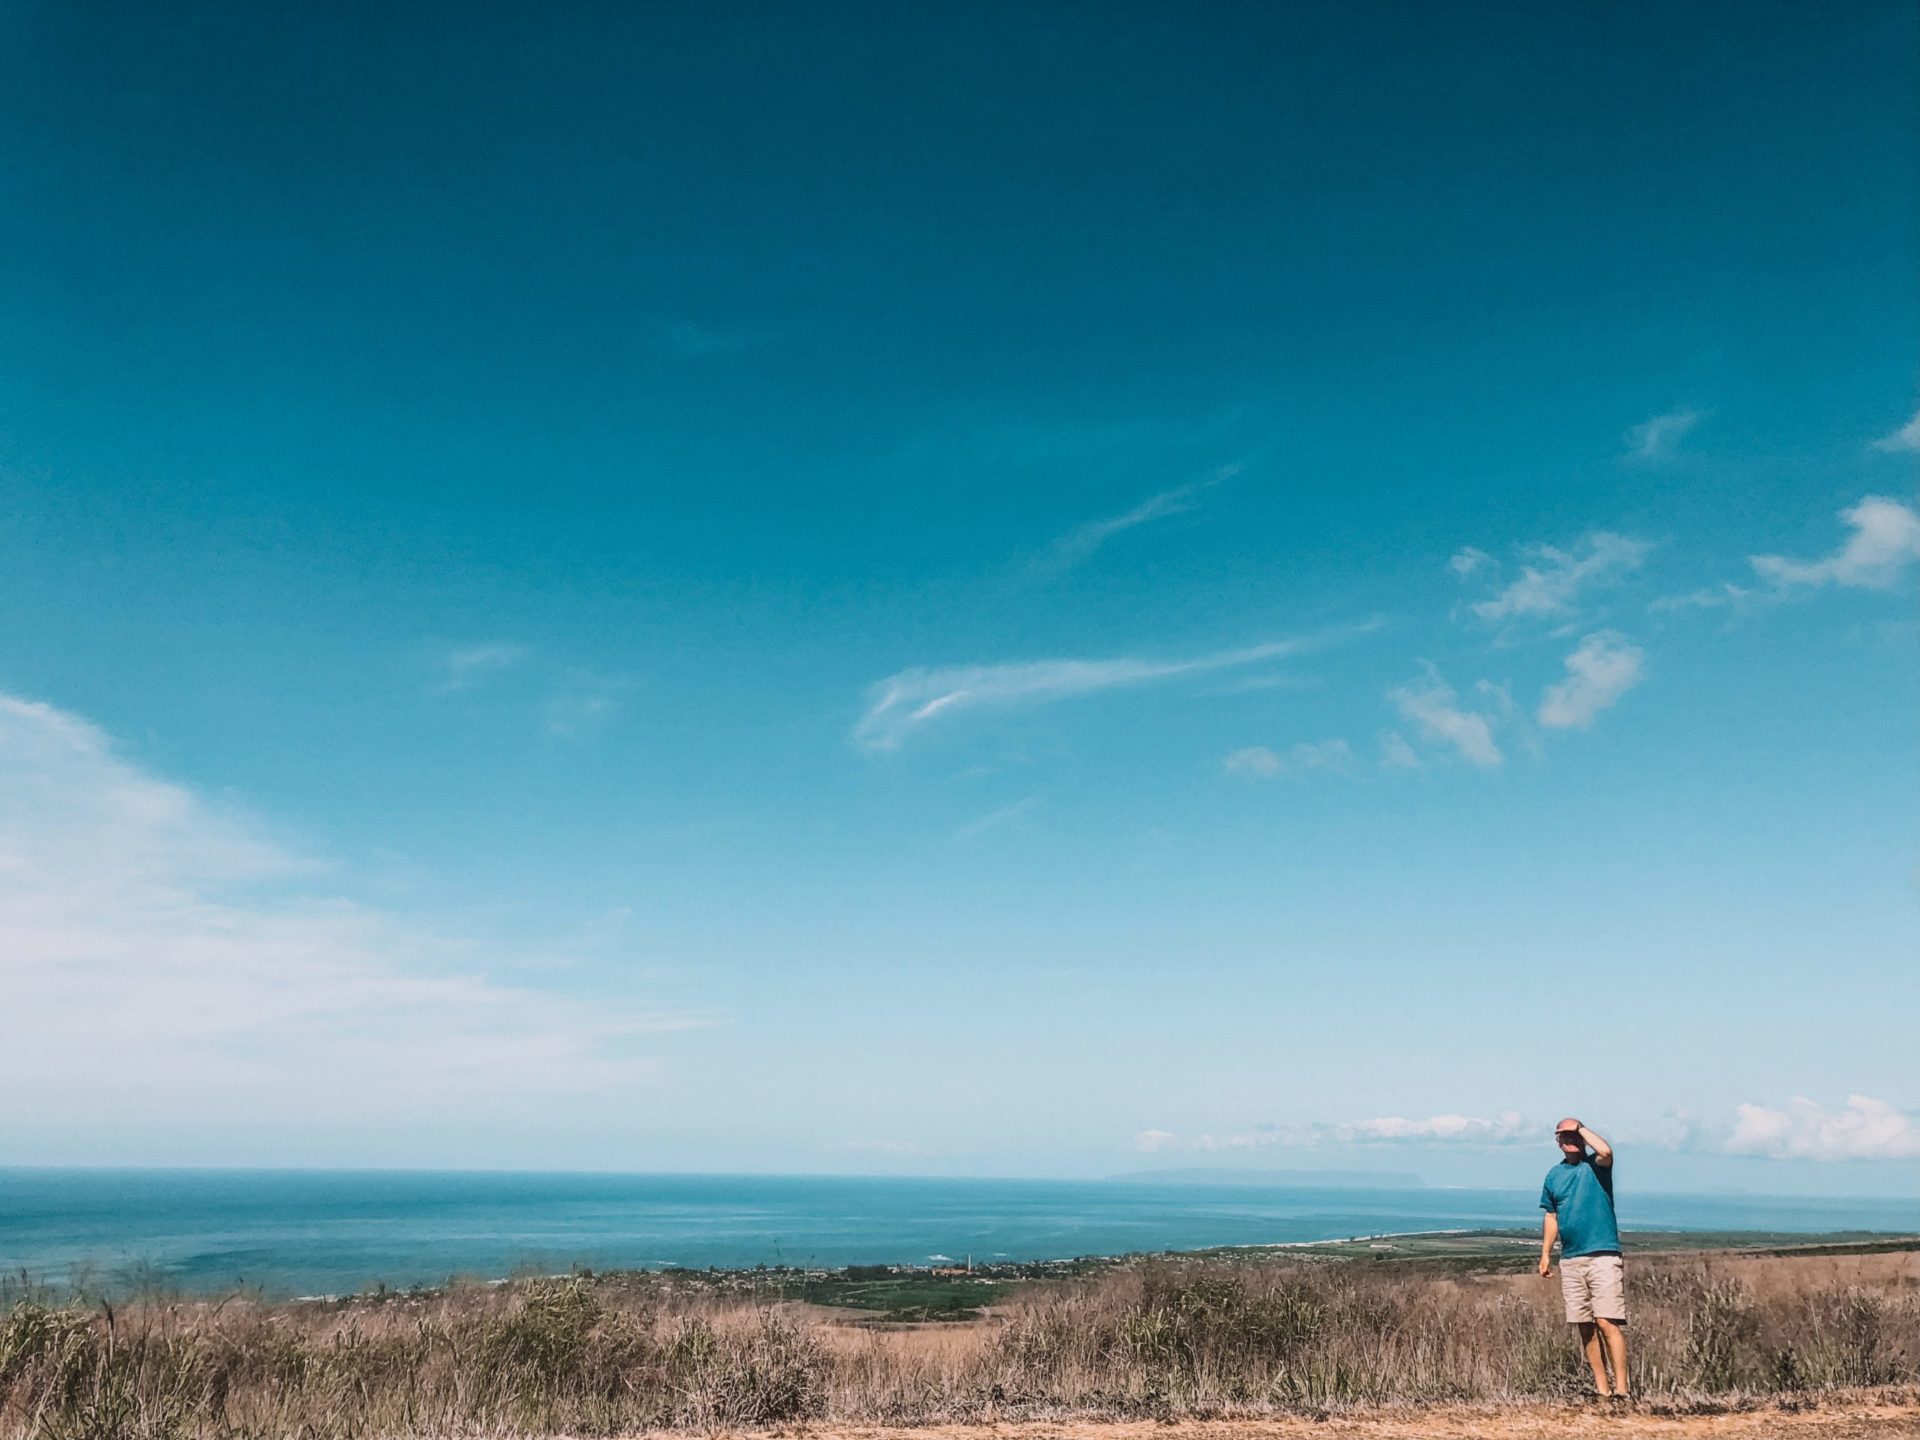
{"points": [[204, 964], [1865, 1129], [1507, 1128], [1862, 1129]]}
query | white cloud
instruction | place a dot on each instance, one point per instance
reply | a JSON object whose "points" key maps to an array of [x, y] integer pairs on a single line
{"points": [[901, 1148], [1553, 579], [1885, 540], [1657, 438], [1256, 760], [1432, 705], [903, 703], [1396, 753], [205, 973], [584, 702], [1468, 560], [1725, 596], [465, 666], [1907, 437], [995, 819], [1079, 543], [1300, 759], [1602, 668], [1506, 1128], [1866, 1129], [1334, 755]]}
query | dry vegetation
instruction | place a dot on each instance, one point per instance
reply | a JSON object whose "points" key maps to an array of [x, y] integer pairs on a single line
{"points": [[1161, 1339]]}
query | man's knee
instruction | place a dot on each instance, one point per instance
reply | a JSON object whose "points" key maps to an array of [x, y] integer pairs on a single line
{"points": [[1609, 1327]]}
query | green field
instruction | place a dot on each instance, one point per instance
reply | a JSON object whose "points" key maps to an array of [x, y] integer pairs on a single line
{"points": [[910, 1296]]}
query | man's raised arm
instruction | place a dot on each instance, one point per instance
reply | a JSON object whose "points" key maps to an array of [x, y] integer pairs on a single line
{"points": [[1602, 1152]]}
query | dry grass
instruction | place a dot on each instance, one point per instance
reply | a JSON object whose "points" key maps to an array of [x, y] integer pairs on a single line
{"points": [[1162, 1339]]}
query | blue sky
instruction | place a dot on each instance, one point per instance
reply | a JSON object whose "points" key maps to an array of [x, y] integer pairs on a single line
{"points": [[966, 589]]}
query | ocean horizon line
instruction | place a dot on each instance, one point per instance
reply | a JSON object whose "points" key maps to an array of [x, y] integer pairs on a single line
{"points": [[1331, 1179]]}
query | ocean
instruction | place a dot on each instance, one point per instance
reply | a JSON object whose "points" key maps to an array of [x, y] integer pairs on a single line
{"points": [[294, 1232]]}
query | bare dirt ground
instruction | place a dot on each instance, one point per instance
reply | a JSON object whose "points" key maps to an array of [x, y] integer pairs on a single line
{"points": [[1861, 1418]]}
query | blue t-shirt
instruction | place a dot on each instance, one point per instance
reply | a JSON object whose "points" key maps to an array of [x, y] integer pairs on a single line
{"points": [[1581, 1195]]}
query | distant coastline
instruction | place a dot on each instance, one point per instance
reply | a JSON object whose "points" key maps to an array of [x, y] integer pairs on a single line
{"points": [[1285, 1179]]}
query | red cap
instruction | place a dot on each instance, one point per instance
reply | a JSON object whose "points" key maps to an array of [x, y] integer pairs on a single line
{"points": [[1567, 1125]]}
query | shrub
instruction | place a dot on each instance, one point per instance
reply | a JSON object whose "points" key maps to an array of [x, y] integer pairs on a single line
{"points": [[772, 1372], [1720, 1335]]}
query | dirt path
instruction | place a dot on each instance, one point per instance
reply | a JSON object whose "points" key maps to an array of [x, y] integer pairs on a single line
{"points": [[1833, 1420]]}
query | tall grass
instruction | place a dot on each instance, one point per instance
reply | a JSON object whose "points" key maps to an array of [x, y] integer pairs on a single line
{"points": [[1163, 1338]]}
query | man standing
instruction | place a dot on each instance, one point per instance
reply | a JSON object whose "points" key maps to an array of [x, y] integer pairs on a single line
{"points": [[1578, 1199]]}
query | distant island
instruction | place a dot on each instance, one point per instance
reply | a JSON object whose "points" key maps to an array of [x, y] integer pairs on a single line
{"points": [[1224, 1175]]}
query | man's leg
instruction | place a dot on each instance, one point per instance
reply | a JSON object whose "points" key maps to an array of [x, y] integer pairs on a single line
{"points": [[1590, 1343], [1614, 1335]]}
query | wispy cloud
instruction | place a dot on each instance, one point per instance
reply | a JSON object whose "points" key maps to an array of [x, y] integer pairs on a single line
{"points": [[206, 968], [1432, 706], [1079, 544], [1255, 760], [1907, 437], [700, 342], [1503, 1128], [1304, 758], [1656, 439], [1864, 1129], [1468, 560], [905, 703], [1725, 596], [1396, 753], [1602, 668], [1885, 540], [583, 703], [1553, 580], [465, 666], [997, 819], [900, 1149], [1507, 1128]]}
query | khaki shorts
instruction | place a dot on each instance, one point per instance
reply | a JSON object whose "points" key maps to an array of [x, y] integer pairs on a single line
{"points": [[1594, 1285]]}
